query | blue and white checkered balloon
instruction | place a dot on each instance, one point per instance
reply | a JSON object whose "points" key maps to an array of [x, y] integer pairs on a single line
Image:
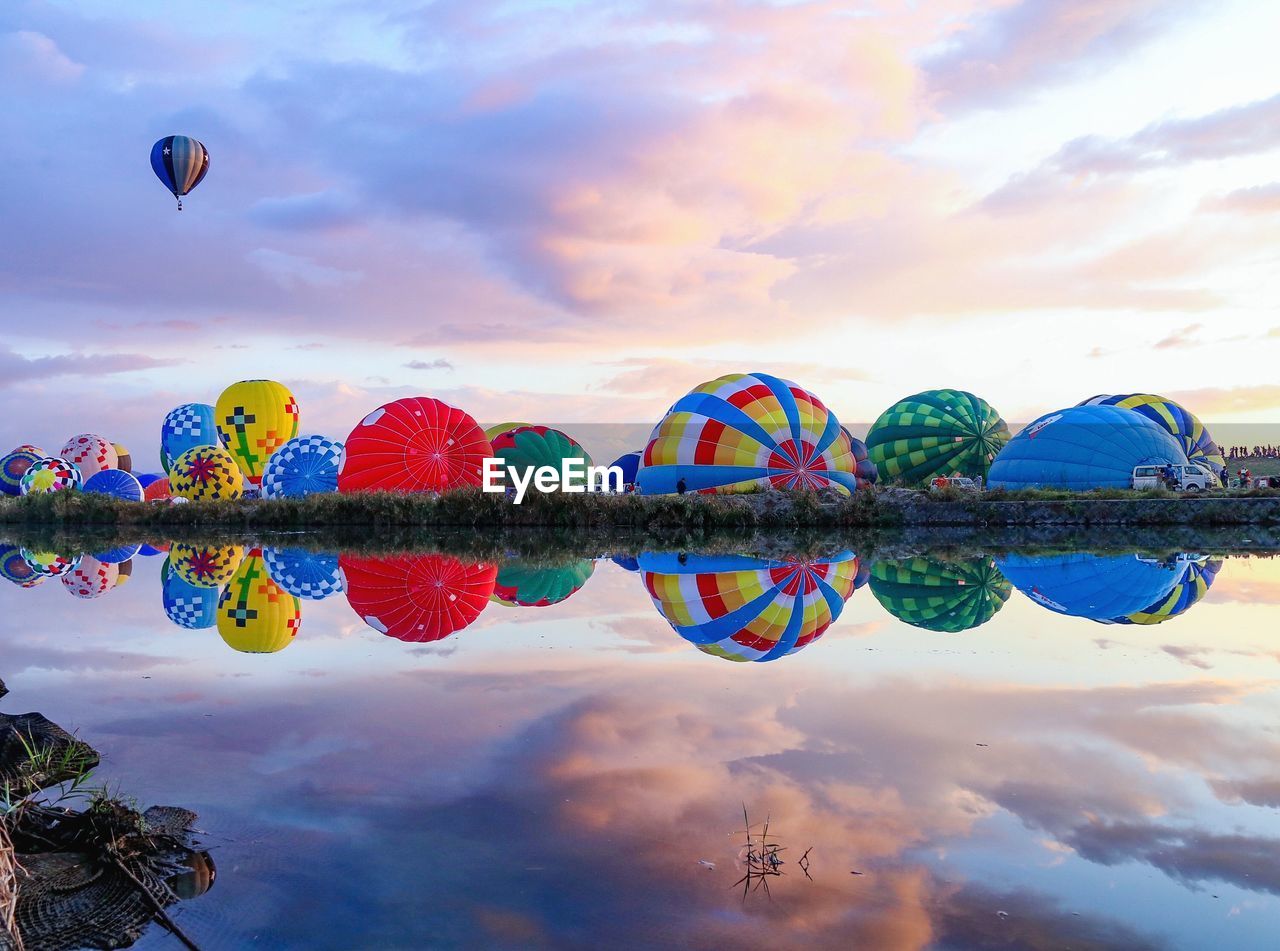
{"points": [[302, 466], [303, 574]]}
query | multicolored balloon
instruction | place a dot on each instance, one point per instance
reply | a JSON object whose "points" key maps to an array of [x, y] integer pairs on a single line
{"points": [[206, 473], [302, 466], [205, 566], [254, 615], [181, 163], [863, 469], [50, 564], [91, 578], [187, 605], [1176, 419], [255, 418], [14, 465], [745, 432], [90, 454], [492, 432], [1196, 575], [417, 598], [530, 586], [15, 568], [533, 447], [744, 608], [1083, 448], [50, 474], [936, 433], [416, 444], [186, 427], [115, 483], [946, 596], [1098, 587], [311, 576]]}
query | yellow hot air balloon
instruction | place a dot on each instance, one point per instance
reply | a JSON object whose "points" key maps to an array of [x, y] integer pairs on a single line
{"points": [[123, 459], [206, 473], [256, 615], [254, 419], [493, 432], [205, 566]]}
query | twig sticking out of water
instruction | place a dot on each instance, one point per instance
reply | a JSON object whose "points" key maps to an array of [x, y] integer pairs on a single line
{"points": [[763, 857]]}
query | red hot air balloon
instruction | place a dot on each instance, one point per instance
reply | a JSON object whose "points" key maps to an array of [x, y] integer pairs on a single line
{"points": [[417, 444], [417, 597]]}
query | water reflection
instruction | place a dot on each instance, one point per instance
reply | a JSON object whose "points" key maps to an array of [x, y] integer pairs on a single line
{"points": [[311, 576], [255, 616], [946, 596], [417, 598], [523, 585]]}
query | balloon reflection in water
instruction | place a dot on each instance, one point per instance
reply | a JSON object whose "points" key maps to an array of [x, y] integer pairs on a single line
{"points": [[205, 566], [187, 605], [50, 564], [255, 616], [526, 586], [1197, 574], [15, 568], [91, 578], [310, 575], [417, 597], [1098, 587], [745, 608], [941, 596]]}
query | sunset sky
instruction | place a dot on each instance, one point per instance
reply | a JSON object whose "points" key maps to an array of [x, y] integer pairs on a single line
{"points": [[575, 210]]}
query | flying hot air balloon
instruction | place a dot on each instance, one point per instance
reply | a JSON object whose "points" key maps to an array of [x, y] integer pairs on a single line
{"points": [[744, 432], [1176, 419], [186, 427], [936, 433], [302, 466], [940, 595], [255, 418], [181, 163], [417, 598], [417, 444], [254, 615], [744, 608], [533, 586], [14, 465]]}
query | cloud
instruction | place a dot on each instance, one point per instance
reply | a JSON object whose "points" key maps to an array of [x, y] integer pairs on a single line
{"points": [[317, 211], [1215, 400], [289, 270], [438, 364], [1181, 338], [15, 368], [28, 56], [1256, 200], [669, 377]]}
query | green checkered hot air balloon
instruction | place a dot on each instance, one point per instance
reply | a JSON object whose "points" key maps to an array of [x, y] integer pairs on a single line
{"points": [[936, 433], [940, 596]]}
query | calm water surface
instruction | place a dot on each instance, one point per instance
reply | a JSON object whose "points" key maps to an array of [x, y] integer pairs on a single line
{"points": [[971, 763]]}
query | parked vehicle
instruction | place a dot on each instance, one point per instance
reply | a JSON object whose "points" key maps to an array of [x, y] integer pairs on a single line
{"points": [[955, 482], [1186, 478]]}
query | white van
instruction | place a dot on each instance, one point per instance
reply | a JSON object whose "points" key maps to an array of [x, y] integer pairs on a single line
{"points": [[1191, 477]]}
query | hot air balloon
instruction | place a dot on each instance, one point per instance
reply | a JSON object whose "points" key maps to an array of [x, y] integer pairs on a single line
{"points": [[936, 433], [745, 432], [149, 550], [124, 460], [14, 465], [50, 564], [118, 555], [254, 615], [302, 466], [255, 418], [206, 473], [417, 598], [115, 483], [629, 464], [1177, 420], [186, 427], [744, 608], [416, 444], [492, 432], [187, 605], [529, 586], [50, 474], [1195, 576], [864, 469], [15, 568], [311, 576], [158, 491], [205, 566], [1098, 587], [91, 578], [533, 447], [626, 562], [90, 454], [1083, 448], [941, 596], [181, 163], [146, 478], [124, 571]]}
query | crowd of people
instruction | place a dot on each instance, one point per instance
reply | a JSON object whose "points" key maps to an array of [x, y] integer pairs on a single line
{"points": [[1257, 452]]}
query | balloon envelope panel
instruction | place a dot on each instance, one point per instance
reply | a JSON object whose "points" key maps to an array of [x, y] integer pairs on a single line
{"points": [[50, 474], [1175, 419], [15, 568], [186, 427], [1098, 587], [90, 454], [187, 605], [744, 608], [180, 162], [302, 466], [533, 447], [940, 596], [416, 444], [1195, 576], [115, 483], [255, 418], [204, 474], [254, 615], [1083, 448], [50, 564], [312, 576], [14, 465], [530, 586], [115, 556], [205, 566], [91, 578], [417, 597], [745, 432], [936, 433]]}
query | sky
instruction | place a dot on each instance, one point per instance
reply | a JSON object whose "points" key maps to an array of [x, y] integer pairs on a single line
{"points": [[574, 212]]}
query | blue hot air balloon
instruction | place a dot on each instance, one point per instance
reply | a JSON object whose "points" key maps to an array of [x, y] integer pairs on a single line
{"points": [[1098, 587], [629, 463], [116, 483], [1083, 448], [302, 466], [180, 162], [186, 427], [186, 604], [303, 574]]}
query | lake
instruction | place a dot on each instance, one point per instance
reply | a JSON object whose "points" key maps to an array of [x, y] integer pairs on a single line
{"points": [[1036, 750]]}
